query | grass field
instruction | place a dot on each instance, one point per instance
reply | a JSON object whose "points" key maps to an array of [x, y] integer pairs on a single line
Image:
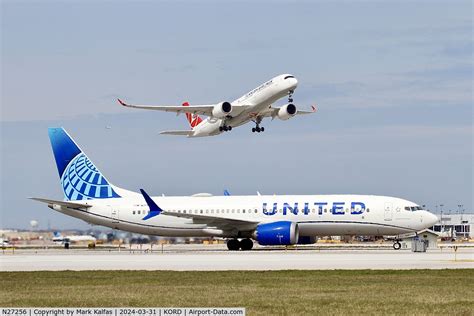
{"points": [[416, 292]]}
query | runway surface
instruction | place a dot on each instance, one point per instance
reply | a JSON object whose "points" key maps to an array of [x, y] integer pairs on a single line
{"points": [[213, 258]]}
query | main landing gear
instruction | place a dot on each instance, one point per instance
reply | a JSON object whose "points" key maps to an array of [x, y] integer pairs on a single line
{"points": [[235, 244], [257, 127], [225, 128]]}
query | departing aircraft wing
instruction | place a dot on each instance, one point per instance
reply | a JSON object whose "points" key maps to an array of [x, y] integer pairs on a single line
{"points": [[193, 109], [177, 133], [62, 203], [273, 112]]}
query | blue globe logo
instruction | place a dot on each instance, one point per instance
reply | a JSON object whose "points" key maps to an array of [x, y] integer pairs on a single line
{"points": [[81, 180]]}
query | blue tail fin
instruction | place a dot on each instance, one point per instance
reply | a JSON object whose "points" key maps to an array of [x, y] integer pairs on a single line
{"points": [[80, 179]]}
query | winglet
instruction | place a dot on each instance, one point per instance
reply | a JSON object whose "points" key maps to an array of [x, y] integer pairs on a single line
{"points": [[122, 103], [313, 107], [154, 209]]}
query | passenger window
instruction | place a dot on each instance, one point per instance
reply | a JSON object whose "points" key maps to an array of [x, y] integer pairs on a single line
{"points": [[133, 212]]}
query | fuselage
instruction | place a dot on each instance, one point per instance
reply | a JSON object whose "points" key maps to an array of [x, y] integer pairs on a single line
{"points": [[255, 101], [316, 215]]}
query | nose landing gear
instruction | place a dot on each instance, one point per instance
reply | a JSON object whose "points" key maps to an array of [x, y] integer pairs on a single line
{"points": [[290, 96], [397, 245]]}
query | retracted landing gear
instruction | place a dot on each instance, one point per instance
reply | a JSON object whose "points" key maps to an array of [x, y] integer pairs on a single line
{"points": [[235, 244]]}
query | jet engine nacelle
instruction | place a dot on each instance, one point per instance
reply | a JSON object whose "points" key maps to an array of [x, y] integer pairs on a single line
{"points": [[287, 111], [222, 109], [277, 233]]}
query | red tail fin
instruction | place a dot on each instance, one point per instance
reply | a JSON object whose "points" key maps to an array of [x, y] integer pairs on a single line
{"points": [[193, 119]]}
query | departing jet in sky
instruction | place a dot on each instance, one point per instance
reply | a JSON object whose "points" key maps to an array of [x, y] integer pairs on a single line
{"points": [[254, 106], [266, 219]]}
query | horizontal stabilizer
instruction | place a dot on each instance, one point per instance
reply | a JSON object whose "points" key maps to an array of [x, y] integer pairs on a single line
{"points": [[177, 133], [62, 203]]}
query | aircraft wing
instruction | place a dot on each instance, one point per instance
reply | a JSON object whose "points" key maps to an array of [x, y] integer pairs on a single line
{"points": [[193, 109], [62, 203], [273, 112], [215, 221], [219, 222], [177, 133]]}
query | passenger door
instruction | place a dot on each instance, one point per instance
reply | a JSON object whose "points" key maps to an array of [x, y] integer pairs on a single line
{"points": [[388, 211], [114, 214]]}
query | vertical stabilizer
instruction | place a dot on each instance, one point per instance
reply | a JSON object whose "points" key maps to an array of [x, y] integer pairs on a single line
{"points": [[80, 179], [193, 119]]}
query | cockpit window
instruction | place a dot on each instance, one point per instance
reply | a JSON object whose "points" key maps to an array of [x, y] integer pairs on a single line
{"points": [[288, 77], [413, 208]]}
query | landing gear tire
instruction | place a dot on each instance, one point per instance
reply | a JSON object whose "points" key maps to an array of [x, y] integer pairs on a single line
{"points": [[253, 130], [233, 244], [246, 244], [225, 128], [397, 245], [262, 129]]}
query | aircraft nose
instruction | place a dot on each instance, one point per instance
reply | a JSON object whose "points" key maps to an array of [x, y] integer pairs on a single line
{"points": [[294, 82], [431, 219]]}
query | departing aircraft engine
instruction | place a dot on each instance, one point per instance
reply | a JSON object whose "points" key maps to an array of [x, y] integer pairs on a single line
{"points": [[222, 110], [276, 233], [287, 111]]}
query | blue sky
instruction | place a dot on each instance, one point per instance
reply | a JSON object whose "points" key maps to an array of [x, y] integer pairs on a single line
{"points": [[392, 81]]}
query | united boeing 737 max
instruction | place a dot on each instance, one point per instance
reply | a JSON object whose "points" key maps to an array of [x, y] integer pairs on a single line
{"points": [[267, 219], [254, 106]]}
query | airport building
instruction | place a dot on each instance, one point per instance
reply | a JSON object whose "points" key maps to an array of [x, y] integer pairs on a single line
{"points": [[457, 225]]}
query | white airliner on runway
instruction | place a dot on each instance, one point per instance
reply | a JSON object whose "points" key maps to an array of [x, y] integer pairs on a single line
{"points": [[254, 106], [59, 238], [268, 219]]}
